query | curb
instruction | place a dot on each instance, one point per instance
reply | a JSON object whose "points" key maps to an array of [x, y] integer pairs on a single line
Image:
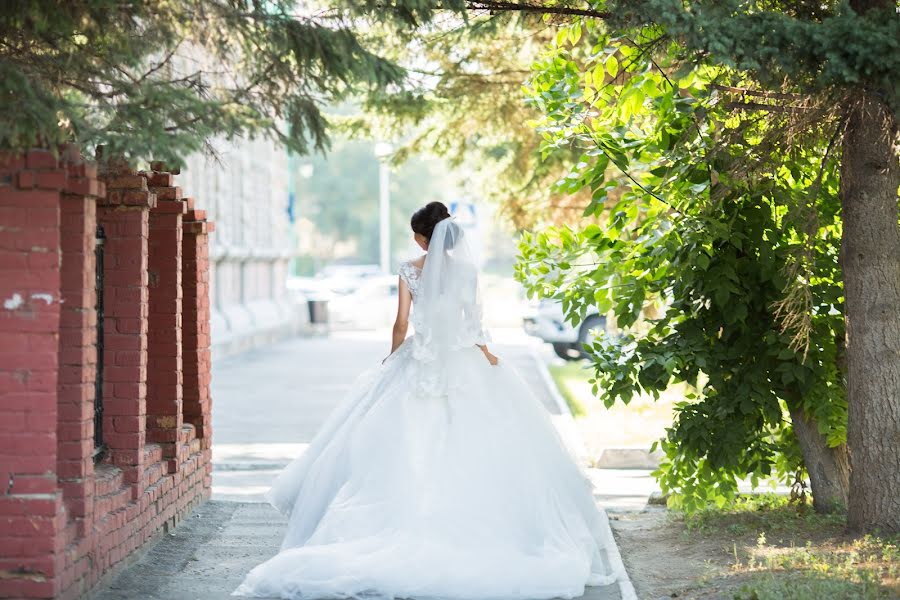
{"points": [[568, 432], [626, 588], [574, 441], [628, 458]]}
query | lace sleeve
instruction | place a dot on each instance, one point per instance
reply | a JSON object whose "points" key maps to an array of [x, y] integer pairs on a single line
{"points": [[409, 273]]}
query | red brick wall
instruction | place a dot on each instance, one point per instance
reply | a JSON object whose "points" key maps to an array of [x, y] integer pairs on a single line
{"points": [[31, 516], [197, 343], [125, 217], [64, 521], [164, 337], [77, 341]]}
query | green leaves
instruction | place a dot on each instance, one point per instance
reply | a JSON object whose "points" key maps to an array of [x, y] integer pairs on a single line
{"points": [[612, 66], [692, 257]]}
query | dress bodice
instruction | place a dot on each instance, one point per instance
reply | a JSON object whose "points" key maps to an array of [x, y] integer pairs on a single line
{"points": [[410, 274], [457, 306]]}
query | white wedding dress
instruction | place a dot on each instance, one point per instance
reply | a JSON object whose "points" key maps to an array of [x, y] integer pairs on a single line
{"points": [[439, 477]]}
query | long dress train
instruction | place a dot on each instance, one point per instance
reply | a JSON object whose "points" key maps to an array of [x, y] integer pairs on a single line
{"points": [[435, 481]]}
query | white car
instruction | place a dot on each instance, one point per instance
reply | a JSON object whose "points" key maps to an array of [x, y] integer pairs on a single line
{"points": [[344, 279], [548, 323], [303, 288], [372, 305]]}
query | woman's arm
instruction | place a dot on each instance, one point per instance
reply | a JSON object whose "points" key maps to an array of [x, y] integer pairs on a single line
{"points": [[401, 323], [487, 354]]}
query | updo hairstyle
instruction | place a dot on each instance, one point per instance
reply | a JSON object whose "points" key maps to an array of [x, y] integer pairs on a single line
{"points": [[426, 218]]}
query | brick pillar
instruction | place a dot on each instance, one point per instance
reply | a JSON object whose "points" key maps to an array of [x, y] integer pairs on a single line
{"points": [[124, 215], [77, 339], [164, 337], [197, 363], [31, 513]]}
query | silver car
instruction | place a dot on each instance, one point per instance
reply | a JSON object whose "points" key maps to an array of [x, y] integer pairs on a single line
{"points": [[548, 323]]}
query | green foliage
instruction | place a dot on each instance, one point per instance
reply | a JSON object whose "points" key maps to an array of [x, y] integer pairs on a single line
{"points": [[803, 54], [162, 78], [817, 46], [677, 219], [770, 514], [463, 102]]}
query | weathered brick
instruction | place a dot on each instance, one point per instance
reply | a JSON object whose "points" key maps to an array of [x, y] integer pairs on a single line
{"points": [[40, 159], [138, 182], [168, 194], [50, 180], [25, 179], [84, 186], [33, 484]]}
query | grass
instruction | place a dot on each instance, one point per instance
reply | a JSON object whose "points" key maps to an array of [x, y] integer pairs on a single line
{"points": [[784, 551], [636, 425], [569, 377]]}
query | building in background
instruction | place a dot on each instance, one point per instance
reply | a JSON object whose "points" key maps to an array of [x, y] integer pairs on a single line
{"points": [[246, 189]]}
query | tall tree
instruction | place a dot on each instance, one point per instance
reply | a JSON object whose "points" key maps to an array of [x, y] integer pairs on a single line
{"points": [[870, 259], [850, 55]]}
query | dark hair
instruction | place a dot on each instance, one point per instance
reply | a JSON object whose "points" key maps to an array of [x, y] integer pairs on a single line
{"points": [[426, 218]]}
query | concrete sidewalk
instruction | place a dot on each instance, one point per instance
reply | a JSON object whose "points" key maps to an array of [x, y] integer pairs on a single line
{"points": [[268, 405], [207, 556]]}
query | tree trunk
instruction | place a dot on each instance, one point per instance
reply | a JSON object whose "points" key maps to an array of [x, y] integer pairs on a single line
{"points": [[870, 259], [828, 468]]}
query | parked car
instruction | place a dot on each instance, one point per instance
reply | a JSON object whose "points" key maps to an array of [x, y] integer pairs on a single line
{"points": [[548, 323], [344, 279], [370, 306], [308, 287]]}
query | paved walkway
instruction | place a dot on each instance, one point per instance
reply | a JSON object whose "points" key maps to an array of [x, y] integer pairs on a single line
{"points": [[268, 404], [208, 554]]}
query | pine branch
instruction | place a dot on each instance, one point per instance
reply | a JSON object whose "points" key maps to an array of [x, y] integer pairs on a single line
{"points": [[500, 6], [757, 93], [756, 106], [165, 61]]}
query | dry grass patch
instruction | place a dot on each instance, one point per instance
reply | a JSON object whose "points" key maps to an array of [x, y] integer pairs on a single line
{"points": [[763, 548]]}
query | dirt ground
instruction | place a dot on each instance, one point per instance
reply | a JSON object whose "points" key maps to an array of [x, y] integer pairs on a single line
{"points": [[662, 559], [760, 554]]}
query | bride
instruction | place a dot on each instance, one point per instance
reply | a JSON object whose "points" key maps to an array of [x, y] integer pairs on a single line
{"points": [[441, 475]]}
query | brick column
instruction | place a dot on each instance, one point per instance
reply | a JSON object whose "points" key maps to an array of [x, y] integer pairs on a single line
{"points": [[124, 215], [197, 363], [77, 339], [164, 337], [31, 514]]}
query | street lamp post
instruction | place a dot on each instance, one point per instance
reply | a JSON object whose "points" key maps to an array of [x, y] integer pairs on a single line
{"points": [[305, 170], [382, 152]]}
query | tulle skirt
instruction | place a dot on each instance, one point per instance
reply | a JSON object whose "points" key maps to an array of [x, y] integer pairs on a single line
{"points": [[435, 480]]}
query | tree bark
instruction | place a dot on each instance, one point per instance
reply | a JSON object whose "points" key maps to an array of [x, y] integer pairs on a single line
{"points": [[828, 468], [870, 259]]}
